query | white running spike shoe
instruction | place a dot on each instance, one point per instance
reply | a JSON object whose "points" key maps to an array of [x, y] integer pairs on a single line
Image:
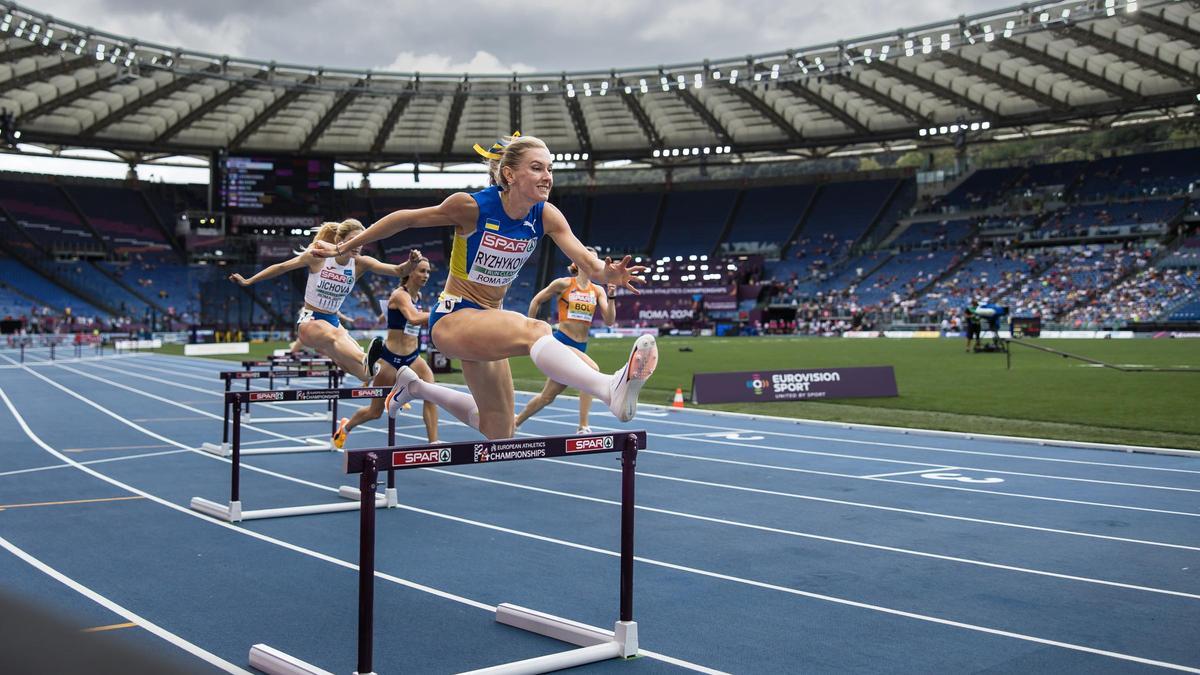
{"points": [[627, 382], [583, 430], [400, 394]]}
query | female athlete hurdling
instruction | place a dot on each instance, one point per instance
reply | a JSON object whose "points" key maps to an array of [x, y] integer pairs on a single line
{"points": [[578, 299], [330, 280], [495, 232], [401, 349]]}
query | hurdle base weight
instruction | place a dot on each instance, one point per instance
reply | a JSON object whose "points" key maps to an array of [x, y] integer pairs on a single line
{"points": [[218, 449], [353, 493], [275, 662], [231, 513]]}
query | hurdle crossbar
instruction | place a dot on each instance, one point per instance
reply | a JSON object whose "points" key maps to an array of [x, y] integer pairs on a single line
{"points": [[593, 644], [332, 378], [232, 512]]}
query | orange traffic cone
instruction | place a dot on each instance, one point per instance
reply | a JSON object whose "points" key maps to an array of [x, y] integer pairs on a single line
{"points": [[678, 402]]}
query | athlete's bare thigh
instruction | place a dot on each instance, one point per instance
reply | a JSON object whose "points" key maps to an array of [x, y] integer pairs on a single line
{"points": [[487, 334]]}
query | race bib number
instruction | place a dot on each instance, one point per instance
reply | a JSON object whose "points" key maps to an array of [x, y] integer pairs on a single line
{"points": [[580, 306], [412, 329], [499, 258], [447, 303]]}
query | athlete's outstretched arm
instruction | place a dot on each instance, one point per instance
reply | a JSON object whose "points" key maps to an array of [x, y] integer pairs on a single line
{"points": [[302, 260], [372, 264], [552, 289], [620, 273], [458, 210]]}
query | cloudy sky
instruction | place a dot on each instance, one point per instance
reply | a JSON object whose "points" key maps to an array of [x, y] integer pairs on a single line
{"points": [[517, 35]]}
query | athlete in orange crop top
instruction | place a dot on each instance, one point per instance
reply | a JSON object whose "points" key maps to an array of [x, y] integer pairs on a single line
{"points": [[578, 299]]}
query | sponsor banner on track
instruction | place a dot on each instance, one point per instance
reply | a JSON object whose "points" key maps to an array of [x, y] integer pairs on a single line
{"points": [[589, 444], [422, 457], [794, 385], [317, 394], [501, 451]]}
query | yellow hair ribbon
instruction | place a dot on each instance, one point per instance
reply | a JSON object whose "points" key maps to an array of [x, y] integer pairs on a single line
{"points": [[497, 147], [485, 154]]}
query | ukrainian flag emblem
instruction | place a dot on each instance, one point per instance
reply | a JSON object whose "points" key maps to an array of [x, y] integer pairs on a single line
{"points": [[490, 224]]}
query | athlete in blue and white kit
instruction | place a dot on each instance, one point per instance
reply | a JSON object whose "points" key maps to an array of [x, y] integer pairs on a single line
{"points": [[495, 232], [329, 282], [406, 316]]}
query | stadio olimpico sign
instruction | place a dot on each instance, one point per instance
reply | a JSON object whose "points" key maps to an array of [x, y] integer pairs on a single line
{"points": [[793, 385]]}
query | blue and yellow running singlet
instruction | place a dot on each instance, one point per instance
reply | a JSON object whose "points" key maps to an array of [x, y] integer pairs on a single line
{"points": [[485, 262]]}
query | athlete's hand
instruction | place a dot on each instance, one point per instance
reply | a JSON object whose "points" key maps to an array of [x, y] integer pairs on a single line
{"points": [[405, 268], [323, 249], [238, 279], [610, 290], [623, 275]]}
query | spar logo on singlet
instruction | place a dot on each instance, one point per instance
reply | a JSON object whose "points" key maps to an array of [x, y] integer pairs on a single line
{"points": [[334, 285], [499, 258]]}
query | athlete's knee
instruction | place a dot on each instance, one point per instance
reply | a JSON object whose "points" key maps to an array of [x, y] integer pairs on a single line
{"points": [[536, 330], [493, 427]]}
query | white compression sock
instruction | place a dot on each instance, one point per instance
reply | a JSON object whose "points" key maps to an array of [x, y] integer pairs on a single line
{"points": [[460, 404], [564, 366]]}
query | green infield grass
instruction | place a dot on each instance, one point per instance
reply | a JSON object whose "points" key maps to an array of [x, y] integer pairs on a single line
{"points": [[941, 386]]}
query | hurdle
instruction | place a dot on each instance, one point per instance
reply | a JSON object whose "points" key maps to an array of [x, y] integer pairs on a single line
{"points": [[238, 417], [314, 369], [273, 364], [593, 645], [232, 512]]}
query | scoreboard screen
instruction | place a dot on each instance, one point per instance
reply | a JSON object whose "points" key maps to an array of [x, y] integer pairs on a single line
{"points": [[274, 186]]}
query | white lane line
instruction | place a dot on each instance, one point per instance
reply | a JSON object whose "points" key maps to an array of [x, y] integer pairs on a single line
{"points": [[867, 458], [852, 441], [113, 607], [271, 540], [782, 588], [818, 537], [807, 594], [1000, 493], [733, 487], [93, 461], [776, 467], [905, 473], [892, 509]]}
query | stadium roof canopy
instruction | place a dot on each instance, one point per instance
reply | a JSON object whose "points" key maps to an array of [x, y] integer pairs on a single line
{"points": [[1019, 69]]}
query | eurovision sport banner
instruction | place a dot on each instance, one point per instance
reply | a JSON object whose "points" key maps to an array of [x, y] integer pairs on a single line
{"points": [[794, 385]]}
